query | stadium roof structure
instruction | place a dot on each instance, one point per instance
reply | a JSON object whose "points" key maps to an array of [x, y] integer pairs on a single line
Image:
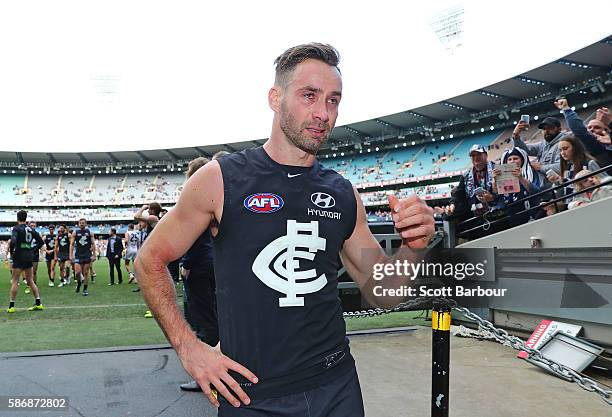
{"points": [[589, 68]]}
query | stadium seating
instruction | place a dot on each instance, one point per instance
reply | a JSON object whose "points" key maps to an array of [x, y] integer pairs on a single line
{"points": [[396, 166], [10, 187], [440, 158]]}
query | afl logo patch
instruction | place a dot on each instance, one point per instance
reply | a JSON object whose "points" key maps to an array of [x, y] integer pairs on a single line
{"points": [[264, 203]]}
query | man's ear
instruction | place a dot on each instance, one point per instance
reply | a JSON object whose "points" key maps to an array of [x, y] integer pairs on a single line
{"points": [[274, 98]]}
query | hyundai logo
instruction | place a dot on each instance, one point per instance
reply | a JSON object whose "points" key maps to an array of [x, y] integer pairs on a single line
{"points": [[322, 200]]}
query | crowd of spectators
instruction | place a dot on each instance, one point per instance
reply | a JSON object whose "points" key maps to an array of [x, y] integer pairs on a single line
{"points": [[560, 158]]}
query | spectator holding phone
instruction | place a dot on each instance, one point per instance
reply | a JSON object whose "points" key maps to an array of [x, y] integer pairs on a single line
{"points": [[529, 182], [475, 190], [574, 158], [595, 136], [546, 151]]}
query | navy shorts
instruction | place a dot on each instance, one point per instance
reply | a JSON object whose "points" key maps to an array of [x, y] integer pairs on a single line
{"points": [[82, 261], [19, 264], [338, 398], [62, 258]]}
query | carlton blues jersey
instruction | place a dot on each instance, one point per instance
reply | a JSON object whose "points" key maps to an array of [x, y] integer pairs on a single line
{"points": [[276, 262], [63, 244], [49, 245], [24, 241], [82, 243]]}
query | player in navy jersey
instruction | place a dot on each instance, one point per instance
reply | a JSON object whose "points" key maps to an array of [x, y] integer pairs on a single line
{"points": [[283, 222], [49, 240], [36, 246], [62, 254], [23, 239], [83, 250]]}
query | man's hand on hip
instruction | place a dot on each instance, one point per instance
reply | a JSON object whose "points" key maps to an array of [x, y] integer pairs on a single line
{"points": [[208, 366]]}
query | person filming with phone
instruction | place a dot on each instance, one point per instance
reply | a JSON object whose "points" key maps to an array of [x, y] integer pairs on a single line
{"points": [[475, 190], [546, 151]]}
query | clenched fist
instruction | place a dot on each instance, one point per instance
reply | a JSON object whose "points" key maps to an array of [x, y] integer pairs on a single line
{"points": [[414, 221]]}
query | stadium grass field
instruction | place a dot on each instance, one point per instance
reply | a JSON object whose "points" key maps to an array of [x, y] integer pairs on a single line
{"points": [[110, 316]]}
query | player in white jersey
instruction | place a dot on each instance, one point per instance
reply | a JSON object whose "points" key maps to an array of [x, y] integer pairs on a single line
{"points": [[132, 243]]}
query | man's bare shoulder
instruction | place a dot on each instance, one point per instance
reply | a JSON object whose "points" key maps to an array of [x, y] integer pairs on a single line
{"points": [[204, 190]]}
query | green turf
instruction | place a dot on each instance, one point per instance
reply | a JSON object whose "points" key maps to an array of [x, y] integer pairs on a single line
{"points": [[109, 316]]}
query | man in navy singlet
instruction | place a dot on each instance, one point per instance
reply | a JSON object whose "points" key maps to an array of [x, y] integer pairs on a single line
{"points": [[62, 250], [49, 240], [83, 252], [283, 223], [23, 240]]}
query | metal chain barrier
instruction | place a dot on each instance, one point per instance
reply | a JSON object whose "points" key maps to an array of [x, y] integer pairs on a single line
{"points": [[419, 303], [500, 335]]}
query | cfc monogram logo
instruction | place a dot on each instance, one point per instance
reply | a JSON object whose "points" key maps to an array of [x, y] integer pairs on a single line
{"points": [[285, 276]]}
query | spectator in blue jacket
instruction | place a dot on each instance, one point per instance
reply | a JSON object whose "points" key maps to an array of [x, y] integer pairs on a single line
{"points": [[595, 136]]}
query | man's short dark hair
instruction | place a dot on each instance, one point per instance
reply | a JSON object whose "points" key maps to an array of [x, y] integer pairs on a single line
{"points": [[113, 231], [51, 226], [131, 226], [22, 215], [195, 164], [82, 218], [219, 154], [155, 208], [286, 63]]}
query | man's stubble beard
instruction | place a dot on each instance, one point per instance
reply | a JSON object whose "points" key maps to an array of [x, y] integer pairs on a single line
{"points": [[296, 134]]}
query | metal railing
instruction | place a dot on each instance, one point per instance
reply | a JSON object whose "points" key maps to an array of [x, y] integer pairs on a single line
{"points": [[487, 224]]}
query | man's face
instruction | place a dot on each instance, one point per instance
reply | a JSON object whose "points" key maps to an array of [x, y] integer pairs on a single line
{"points": [[61, 229], [550, 209], [479, 160], [551, 132], [51, 230], [82, 224], [309, 105], [597, 128], [33, 225]]}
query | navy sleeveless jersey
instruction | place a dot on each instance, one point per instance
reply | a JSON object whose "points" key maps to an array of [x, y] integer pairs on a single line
{"points": [[63, 242], [24, 241], [49, 242], [276, 259], [83, 243]]}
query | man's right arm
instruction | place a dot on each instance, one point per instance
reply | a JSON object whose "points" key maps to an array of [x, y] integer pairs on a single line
{"points": [[200, 202], [578, 128], [531, 149]]}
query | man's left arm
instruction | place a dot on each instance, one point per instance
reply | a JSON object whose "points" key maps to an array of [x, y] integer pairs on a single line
{"points": [[365, 260]]}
